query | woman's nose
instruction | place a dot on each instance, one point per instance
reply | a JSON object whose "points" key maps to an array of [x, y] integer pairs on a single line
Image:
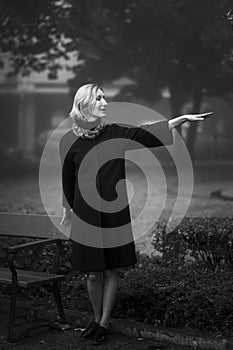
{"points": [[104, 102]]}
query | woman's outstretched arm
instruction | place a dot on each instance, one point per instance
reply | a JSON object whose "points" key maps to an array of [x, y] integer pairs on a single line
{"points": [[173, 123]]}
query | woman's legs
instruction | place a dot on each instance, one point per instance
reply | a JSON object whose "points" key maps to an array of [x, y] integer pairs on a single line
{"points": [[102, 289], [109, 295], [95, 291]]}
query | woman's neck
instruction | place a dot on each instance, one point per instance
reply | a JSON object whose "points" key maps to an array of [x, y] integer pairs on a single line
{"points": [[86, 124]]}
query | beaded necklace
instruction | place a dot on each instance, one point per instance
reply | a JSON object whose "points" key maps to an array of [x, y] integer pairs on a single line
{"points": [[88, 133]]}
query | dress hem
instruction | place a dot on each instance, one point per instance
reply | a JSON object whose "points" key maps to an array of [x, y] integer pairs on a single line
{"points": [[125, 266]]}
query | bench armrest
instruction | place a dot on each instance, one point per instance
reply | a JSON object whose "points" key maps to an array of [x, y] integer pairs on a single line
{"points": [[40, 243]]}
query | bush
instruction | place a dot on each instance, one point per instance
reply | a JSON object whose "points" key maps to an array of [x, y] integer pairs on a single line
{"points": [[166, 291], [209, 240], [192, 296], [34, 258]]}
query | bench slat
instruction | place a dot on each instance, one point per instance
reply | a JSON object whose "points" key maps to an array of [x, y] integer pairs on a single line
{"points": [[43, 228], [26, 278], [29, 225], [37, 244]]}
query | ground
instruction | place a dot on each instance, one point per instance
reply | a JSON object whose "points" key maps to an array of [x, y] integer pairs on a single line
{"points": [[48, 339], [23, 195]]}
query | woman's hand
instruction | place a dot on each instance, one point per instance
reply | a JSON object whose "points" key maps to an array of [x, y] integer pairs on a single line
{"points": [[66, 215], [65, 219], [173, 123], [66, 222], [197, 117]]}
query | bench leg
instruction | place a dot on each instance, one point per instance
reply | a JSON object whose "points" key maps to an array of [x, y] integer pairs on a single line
{"points": [[12, 311], [57, 297]]}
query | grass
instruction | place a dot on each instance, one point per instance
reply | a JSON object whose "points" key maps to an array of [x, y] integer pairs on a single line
{"points": [[20, 196], [23, 195]]}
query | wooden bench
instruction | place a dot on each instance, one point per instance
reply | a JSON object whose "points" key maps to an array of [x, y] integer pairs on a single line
{"points": [[30, 226]]}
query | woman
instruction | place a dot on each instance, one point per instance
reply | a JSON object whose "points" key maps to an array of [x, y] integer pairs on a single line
{"points": [[86, 144]]}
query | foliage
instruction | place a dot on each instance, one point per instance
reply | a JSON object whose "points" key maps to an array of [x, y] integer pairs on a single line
{"points": [[153, 44], [33, 34], [184, 45], [37, 259], [163, 291], [200, 239], [192, 296]]}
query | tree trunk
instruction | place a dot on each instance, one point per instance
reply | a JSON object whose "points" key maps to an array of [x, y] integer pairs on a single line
{"points": [[192, 130]]}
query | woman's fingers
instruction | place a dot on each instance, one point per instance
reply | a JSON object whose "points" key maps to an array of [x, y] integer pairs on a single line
{"points": [[66, 225], [205, 115], [61, 222], [65, 220], [199, 116]]}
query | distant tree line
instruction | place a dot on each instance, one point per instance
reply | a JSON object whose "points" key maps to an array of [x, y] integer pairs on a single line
{"points": [[183, 45]]}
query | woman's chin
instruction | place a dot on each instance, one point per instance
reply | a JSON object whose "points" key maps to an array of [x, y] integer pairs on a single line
{"points": [[103, 115]]}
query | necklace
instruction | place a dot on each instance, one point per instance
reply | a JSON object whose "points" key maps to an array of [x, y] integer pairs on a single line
{"points": [[87, 133]]}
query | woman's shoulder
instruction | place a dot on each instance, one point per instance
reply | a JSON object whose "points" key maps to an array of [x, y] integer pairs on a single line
{"points": [[67, 136], [113, 126], [117, 129], [112, 129], [67, 140]]}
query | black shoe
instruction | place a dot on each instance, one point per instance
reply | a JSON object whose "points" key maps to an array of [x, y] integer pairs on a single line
{"points": [[101, 336], [89, 332]]}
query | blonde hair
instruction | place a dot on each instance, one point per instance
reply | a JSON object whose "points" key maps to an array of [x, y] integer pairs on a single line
{"points": [[84, 99]]}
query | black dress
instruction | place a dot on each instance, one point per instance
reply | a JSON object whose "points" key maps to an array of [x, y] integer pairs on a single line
{"points": [[104, 214]]}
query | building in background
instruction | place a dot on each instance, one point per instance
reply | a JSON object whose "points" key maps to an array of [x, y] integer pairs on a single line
{"points": [[32, 106]]}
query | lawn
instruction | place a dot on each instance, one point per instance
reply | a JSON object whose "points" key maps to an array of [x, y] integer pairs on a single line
{"points": [[23, 195]]}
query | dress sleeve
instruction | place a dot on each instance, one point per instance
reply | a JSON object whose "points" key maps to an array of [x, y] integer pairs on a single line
{"points": [[151, 135], [68, 174]]}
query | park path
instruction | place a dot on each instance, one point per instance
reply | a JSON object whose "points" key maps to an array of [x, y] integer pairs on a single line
{"points": [[209, 179], [50, 339]]}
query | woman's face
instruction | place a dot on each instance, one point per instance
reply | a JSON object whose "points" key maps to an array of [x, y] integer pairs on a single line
{"points": [[99, 108]]}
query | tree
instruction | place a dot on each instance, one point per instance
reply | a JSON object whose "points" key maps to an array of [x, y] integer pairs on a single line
{"points": [[185, 45], [202, 48], [32, 32]]}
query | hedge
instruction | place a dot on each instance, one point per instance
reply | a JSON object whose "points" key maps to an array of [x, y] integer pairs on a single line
{"points": [[191, 296], [209, 240], [190, 285]]}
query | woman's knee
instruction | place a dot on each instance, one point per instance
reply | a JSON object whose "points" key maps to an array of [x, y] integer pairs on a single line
{"points": [[110, 273], [94, 276]]}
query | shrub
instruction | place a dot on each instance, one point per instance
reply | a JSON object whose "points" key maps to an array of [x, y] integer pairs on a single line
{"points": [[166, 291], [207, 239], [192, 296]]}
